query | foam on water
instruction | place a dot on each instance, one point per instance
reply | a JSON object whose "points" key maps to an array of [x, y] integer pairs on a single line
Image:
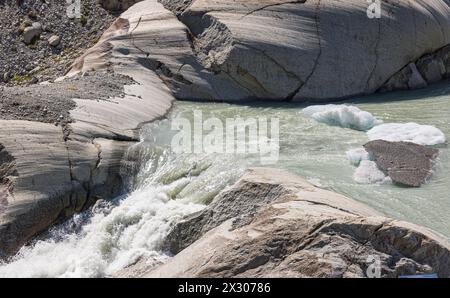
{"points": [[113, 238], [342, 115], [408, 132], [114, 235]]}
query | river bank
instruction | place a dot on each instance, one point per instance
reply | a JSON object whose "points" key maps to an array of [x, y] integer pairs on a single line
{"points": [[54, 167]]}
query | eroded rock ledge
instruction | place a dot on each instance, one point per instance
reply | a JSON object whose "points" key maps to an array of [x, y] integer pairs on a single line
{"points": [[293, 229], [69, 155], [286, 50]]}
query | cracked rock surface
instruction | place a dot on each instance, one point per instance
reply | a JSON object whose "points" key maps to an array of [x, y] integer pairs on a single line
{"points": [[284, 50], [223, 50], [62, 145], [299, 231]]}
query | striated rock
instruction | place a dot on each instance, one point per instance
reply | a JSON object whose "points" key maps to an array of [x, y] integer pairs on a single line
{"points": [[97, 57], [279, 50], [444, 56], [432, 69], [428, 69], [7, 170], [302, 232], [61, 170], [406, 163], [223, 50], [409, 78], [237, 204]]}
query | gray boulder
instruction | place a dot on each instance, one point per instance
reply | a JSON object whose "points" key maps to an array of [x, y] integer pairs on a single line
{"points": [[409, 78], [428, 69], [432, 68], [32, 32], [54, 40], [406, 163], [59, 170], [236, 203]]}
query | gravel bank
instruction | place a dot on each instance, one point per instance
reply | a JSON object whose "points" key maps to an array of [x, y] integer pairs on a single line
{"points": [[46, 58], [51, 103]]}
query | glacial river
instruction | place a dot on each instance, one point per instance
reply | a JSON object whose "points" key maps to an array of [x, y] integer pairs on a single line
{"points": [[114, 235]]}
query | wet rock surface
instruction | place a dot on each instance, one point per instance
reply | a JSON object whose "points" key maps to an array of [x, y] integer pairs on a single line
{"points": [[7, 172], [428, 69], [240, 205], [66, 141], [406, 163]]}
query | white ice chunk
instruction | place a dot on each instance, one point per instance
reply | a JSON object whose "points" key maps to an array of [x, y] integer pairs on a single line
{"points": [[407, 132], [342, 115], [368, 173], [355, 156]]}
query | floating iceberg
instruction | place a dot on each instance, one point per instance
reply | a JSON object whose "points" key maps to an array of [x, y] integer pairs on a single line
{"points": [[368, 173], [355, 156], [407, 132], [342, 115]]}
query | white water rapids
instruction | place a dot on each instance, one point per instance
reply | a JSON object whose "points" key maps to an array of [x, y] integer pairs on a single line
{"points": [[113, 235]]}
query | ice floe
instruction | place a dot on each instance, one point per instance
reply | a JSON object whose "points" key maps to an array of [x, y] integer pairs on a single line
{"points": [[408, 132], [368, 173], [345, 116], [355, 156]]}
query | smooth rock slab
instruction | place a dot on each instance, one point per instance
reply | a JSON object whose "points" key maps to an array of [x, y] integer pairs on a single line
{"points": [[277, 49], [58, 172], [406, 163], [302, 231]]}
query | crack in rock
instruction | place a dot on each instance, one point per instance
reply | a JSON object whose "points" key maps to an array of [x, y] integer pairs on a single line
{"points": [[163, 72], [377, 44], [272, 5], [319, 55]]}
